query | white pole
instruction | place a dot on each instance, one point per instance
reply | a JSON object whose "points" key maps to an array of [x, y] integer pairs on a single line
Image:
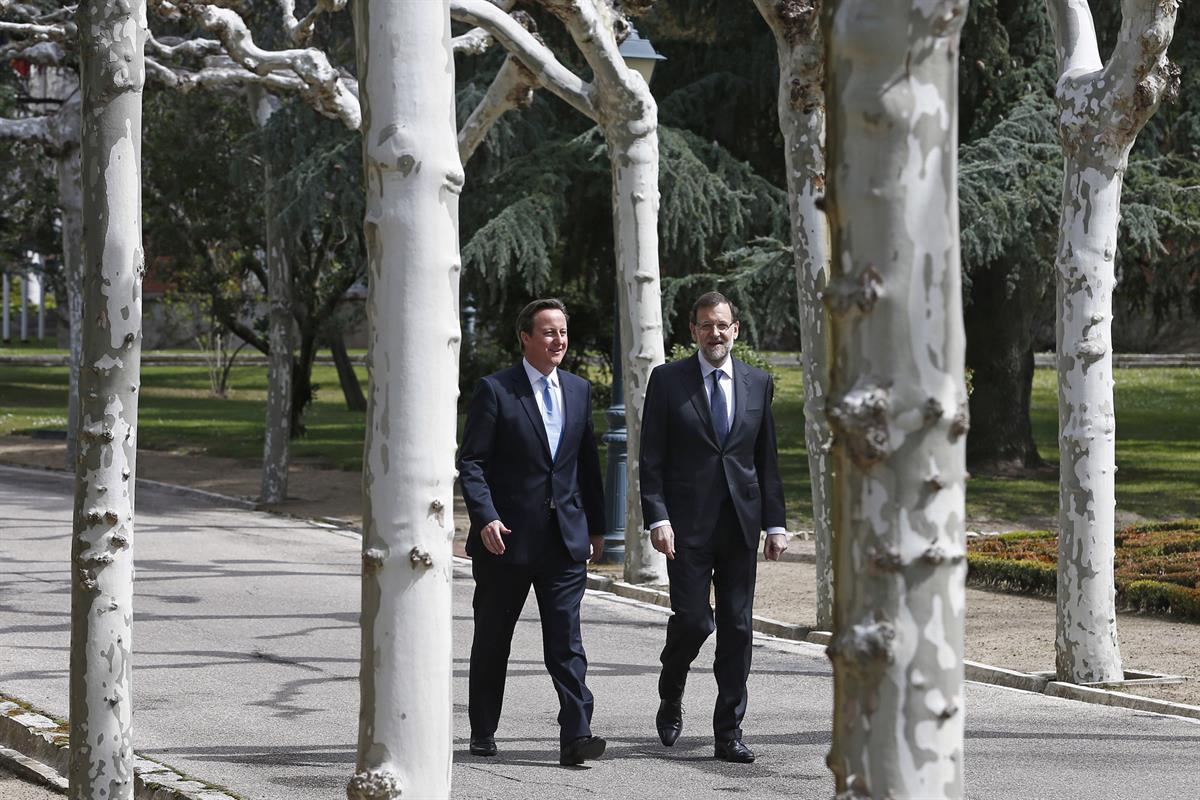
{"points": [[25, 307]]}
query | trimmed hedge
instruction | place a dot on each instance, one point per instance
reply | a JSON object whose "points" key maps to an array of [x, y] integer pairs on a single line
{"points": [[1157, 566]]}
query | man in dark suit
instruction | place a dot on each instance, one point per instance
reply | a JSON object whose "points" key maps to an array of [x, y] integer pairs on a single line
{"points": [[530, 475], [710, 484]]}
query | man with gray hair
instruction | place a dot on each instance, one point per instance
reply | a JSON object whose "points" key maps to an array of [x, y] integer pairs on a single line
{"points": [[710, 484]]}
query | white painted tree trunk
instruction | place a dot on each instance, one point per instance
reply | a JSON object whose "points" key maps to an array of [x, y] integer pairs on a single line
{"points": [[413, 180], [1101, 109], [633, 151], [278, 428], [898, 401], [111, 38], [801, 53]]}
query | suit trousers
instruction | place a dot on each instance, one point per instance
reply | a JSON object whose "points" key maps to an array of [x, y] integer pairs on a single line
{"points": [[726, 564], [501, 589]]}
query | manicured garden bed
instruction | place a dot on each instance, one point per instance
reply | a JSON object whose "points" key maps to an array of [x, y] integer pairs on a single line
{"points": [[1157, 566]]}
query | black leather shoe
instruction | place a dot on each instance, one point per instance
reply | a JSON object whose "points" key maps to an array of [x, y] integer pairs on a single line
{"points": [[577, 751], [483, 745], [733, 750], [669, 721]]}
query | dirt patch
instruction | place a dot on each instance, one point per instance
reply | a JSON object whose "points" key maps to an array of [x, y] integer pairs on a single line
{"points": [[1003, 630]]}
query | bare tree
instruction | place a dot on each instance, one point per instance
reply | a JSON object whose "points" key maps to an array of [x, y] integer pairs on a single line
{"points": [[801, 53], [1102, 107], [898, 401], [57, 134], [413, 180]]}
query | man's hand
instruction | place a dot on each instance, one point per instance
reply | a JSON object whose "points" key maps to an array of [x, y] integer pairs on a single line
{"points": [[774, 546], [597, 548], [491, 536], [663, 539]]}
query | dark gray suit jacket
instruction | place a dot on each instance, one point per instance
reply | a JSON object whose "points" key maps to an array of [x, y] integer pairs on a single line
{"points": [[506, 472], [686, 475]]}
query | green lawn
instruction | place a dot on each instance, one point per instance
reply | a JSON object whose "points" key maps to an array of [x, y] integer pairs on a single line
{"points": [[1158, 426]]}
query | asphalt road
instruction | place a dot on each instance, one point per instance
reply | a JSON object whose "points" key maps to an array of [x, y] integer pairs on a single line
{"points": [[246, 676]]}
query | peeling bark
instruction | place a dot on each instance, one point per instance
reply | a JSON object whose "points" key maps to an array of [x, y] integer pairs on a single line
{"points": [[897, 399], [278, 427], [111, 39], [1102, 107], [801, 53], [413, 178]]}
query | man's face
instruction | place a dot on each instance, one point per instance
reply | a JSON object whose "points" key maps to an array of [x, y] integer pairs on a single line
{"points": [[714, 331], [546, 346]]}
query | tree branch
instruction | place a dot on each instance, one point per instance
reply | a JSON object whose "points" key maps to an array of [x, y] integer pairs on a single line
{"points": [[324, 87], [299, 31], [1140, 72], [38, 32], [512, 88], [28, 129], [478, 41], [220, 77], [595, 27], [536, 57]]}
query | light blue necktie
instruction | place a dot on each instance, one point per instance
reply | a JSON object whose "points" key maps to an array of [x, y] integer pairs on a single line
{"points": [[551, 416]]}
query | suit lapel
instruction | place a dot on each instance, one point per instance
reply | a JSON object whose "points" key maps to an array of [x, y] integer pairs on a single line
{"points": [[694, 383], [741, 386], [524, 391], [572, 411]]}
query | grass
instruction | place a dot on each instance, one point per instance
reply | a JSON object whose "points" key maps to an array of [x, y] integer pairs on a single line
{"points": [[1158, 428], [1158, 450], [1157, 566]]}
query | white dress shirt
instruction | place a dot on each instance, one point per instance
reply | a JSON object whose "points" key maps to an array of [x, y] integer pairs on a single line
{"points": [[726, 384], [535, 380]]}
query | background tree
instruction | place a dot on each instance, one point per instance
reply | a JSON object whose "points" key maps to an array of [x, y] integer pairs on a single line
{"points": [[801, 53], [898, 403], [1102, 107]]}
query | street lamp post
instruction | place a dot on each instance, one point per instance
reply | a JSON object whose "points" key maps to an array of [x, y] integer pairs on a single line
{"points": [[641, 56]]}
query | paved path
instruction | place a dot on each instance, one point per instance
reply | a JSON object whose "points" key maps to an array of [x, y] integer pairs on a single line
{"points": [[246, 676]]}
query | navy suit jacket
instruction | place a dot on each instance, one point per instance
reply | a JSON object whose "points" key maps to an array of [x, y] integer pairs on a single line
{"points": [[684, 471], [506, 472]]}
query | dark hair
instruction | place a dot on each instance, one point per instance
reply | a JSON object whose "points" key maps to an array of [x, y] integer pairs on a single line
{"points": [[712, 300], [525, 318]]}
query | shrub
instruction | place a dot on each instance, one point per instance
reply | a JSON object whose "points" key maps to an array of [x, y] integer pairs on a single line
{"points": [[742, 352], [1157, 566]]}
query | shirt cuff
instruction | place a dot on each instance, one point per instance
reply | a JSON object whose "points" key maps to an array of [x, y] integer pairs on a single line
{"points": [[776, 531], [660, 523]]}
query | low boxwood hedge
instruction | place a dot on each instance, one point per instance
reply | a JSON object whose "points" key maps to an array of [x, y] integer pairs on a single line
{"points": [[1157, 566]]}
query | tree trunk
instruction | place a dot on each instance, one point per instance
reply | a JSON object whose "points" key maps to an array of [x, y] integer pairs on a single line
{"points": [[801, 54], [1102, 108], [111, 38], [634, 161], [1000, 353], [413, 181], [898, 404], [70, 199], [351, 390], [277, 430], [302, 387]]}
